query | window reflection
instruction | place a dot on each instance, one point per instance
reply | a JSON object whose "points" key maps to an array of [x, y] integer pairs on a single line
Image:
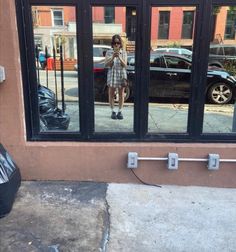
{"points": [[110, 72], [172, 31], [55, 44], [219, 115]]}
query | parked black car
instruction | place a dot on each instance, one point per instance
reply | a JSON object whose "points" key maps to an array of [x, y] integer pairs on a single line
{"points": [[221, 54], [170, 78]]}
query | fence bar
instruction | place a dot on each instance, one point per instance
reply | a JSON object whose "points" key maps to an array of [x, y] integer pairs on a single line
{"points": [[62, 80]]}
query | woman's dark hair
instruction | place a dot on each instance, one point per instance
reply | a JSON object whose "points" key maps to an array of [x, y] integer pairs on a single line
{"points": [[116, 36]]}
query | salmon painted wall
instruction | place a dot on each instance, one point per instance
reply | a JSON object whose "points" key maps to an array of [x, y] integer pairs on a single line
{"points": [[98, 14], [90, 161], [44, 17], [176, 20]]}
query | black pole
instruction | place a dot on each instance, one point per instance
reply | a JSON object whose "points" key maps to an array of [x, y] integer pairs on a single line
{"points": [[62, 80], [55, 72], [37, 62], [46, 64]]}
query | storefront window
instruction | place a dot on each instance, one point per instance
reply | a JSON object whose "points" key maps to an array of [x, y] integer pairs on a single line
{"points": [[219, 113], [114, 83], [112, 72], [56, 68], [170, 74]]}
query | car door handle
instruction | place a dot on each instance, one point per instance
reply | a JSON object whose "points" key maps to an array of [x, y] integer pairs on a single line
{"points": [[172, 74]]}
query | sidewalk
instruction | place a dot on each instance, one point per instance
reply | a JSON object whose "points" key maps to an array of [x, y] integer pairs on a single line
{"points": [[162, 118], [87, 216]]}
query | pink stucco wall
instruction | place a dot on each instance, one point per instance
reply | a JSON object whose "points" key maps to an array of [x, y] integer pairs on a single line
{"points": [[90, 161]]}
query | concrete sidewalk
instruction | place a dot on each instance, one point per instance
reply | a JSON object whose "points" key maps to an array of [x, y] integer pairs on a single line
{"points": [[87, 216]]}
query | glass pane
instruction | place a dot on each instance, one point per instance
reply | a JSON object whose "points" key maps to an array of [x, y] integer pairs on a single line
{"points": [[219, 113], [170, 69], [114, 68], [56, 67]]}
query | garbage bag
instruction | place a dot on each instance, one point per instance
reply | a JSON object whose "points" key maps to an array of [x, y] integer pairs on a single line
{"points": [[47, 99], [10, 180], [56, 120], [44, 92], [42, 124]]}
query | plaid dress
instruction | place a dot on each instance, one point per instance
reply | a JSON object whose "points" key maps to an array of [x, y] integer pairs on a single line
{"points": [[116, 73]]}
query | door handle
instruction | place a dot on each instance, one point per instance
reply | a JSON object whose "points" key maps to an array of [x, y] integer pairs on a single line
{"points": [[172, 74]]}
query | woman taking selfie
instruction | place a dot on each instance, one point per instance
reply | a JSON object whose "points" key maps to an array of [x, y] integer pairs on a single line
{"points": [[116, 61]]}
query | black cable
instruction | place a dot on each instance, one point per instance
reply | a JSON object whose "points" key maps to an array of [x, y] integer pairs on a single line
{"points": [[139, 179]]}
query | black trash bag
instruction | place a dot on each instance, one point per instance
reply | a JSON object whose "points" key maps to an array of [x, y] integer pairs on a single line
{"points": [[42, 124], [10, 180], [47, 100], [56, 120]]}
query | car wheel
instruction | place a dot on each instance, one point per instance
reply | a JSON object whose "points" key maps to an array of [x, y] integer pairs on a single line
{"points": [[220, 93], [126, 94]]}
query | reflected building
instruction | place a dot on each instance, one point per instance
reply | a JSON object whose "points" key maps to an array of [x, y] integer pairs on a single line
{"points": [[171, 26]]}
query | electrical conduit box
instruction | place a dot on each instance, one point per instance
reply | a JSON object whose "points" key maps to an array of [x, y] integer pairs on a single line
{"points": [[213, 162], [173, 161], [2, 74], [132, 160]]}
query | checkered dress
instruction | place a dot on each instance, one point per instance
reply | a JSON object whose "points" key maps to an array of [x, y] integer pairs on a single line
{"points": [[117, 73]]}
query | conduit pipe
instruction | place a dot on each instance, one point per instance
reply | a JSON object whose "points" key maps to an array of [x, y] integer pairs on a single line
{"points": [[173, 159]]}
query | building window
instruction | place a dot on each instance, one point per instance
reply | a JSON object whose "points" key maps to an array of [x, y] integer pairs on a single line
{"points": [[35, 16], [109, 15], [187, 27], [57, 17], [230, 25], [164, 22]]}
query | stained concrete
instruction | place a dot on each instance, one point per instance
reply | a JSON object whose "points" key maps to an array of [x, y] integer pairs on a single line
{"points": [[86, 216], [56, 216]]}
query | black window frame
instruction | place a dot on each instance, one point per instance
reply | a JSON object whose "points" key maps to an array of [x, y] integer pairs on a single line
{"points": [[84, 30]]}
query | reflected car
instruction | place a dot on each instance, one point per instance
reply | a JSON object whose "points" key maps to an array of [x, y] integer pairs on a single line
{"points": [[99, 53], [170, 77], [221, 54], [175, 50]]}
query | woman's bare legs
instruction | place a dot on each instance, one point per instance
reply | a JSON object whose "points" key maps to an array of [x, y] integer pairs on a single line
{"points": [[121, 102], [121, 98], [111, 93]]}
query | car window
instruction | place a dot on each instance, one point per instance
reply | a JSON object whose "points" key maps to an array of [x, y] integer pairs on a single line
{"points": [[96, 52], [175, 62], [104, 50], [172, 62], [220, 51], [155, 62], [229, 51], [213, 50], [131, 61]]}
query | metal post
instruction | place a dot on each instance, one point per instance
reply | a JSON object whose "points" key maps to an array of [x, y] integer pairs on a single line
{"points": [[46, 57], [37, 62], [62, 80], [55, 72]]}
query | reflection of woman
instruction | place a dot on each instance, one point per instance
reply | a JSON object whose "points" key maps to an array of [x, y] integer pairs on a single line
{"points": [[116, 61]]}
